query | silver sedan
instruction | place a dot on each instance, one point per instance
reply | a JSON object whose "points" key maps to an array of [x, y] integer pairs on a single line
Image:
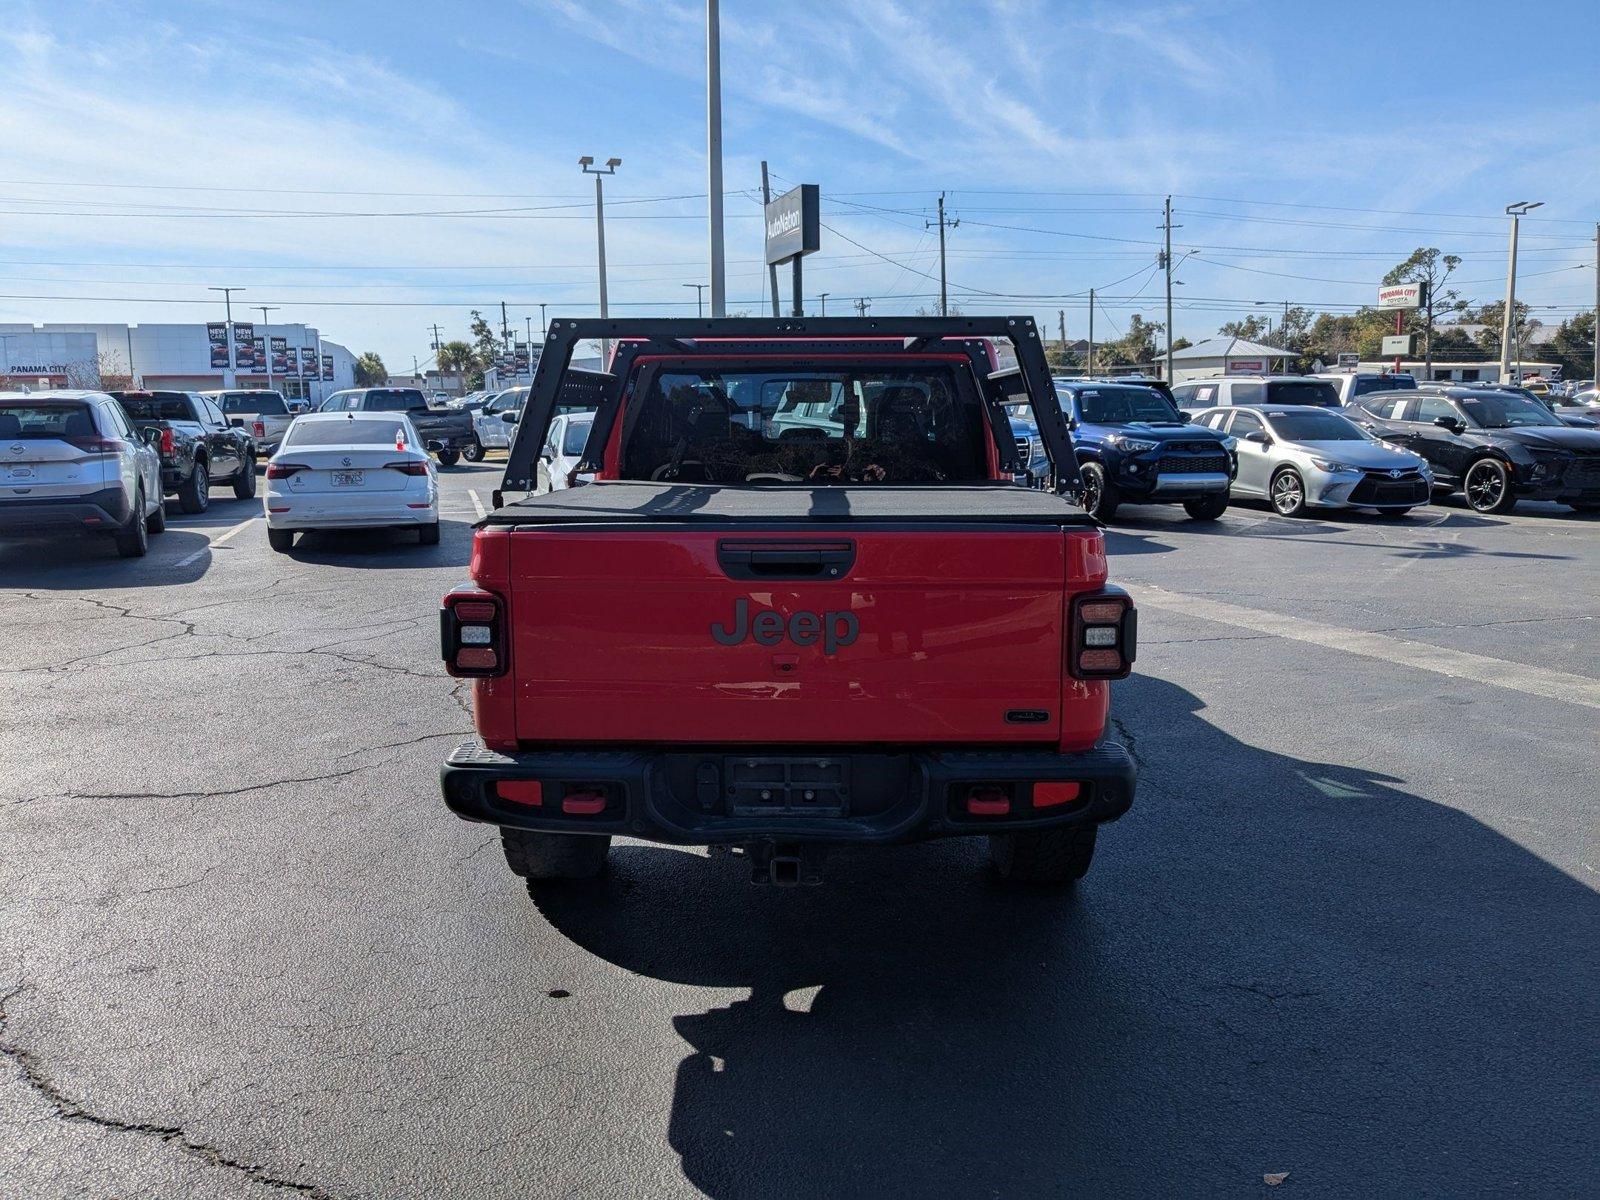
{"points": [[1298, 457]]}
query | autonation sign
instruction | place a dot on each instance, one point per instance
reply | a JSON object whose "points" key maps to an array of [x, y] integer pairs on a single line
{"points": [[794, 223]]}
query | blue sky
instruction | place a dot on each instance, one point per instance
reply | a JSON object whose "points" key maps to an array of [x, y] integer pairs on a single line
{"points": [[398, 163]]}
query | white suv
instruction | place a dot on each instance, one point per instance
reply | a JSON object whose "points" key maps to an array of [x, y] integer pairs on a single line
{"points": [[70, 462]]}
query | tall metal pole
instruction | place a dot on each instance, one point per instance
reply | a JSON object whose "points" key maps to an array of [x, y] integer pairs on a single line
{"points": [[823, 297], [719, 299], [229, 379], [1089, 366], [699, 298], [543, 329], [1167, 258], [772, 268], [1516, 212], [1596, 367], [267, 334], [944, 284], [587, 163], [133, 380]]}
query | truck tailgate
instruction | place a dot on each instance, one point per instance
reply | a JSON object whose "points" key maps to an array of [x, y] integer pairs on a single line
{"points": [[923, 635]]}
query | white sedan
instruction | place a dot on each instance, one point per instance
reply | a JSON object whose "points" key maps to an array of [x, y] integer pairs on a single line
{"points": [[351, 470]]}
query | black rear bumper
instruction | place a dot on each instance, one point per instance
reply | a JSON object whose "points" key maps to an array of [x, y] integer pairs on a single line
{"points": [[105, 511], [731, 795]]}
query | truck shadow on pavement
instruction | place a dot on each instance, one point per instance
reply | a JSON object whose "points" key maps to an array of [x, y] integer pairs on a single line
{"points": [[1274, 965]]}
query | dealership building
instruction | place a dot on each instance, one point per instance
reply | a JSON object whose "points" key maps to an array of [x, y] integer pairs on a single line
{"points": [[294, 359]]}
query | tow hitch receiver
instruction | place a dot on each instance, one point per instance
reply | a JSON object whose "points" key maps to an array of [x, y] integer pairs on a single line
{"points": [[785, 864]]}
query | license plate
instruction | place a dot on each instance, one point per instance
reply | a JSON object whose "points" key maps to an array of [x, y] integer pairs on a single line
{"points": [[349, 478]]}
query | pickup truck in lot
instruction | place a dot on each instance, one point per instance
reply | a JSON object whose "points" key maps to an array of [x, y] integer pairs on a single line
{"points": [[264, 415], [446, 432], [199, 448], [802, 606]]}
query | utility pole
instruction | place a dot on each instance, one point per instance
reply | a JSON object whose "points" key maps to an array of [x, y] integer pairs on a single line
{"points": [[543, 329], [719, 299], [772, 268], [1061, 316], [229, 379], [587, 163], [1089, 366], [822, 296], [1516, 212], [699, 298], [505, 329], [944, 295], [862, 305], [1166, 261], [265, 309], [1595, 368]]}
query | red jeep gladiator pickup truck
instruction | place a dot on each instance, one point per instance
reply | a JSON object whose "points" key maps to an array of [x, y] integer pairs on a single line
{"points": [[802, 605]]}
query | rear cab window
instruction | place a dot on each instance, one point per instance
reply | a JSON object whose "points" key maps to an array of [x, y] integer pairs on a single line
{"points": [[393, 400], [158, 406], [1317, 392], [263, 405]]}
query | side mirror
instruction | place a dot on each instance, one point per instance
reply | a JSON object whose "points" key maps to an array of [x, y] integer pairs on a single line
{"points": [[150, 437], [1450, 423], [236, 422], [1072, 421], [1259, 436], [510, 417]]}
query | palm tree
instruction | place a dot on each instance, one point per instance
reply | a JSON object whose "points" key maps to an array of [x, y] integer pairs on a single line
{"points": [[457, 358]]}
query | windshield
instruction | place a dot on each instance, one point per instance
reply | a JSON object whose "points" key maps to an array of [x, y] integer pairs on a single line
{"points": [[1315, 427], [572, 442], [1118, 405], [171, 407], [270, 405], [26, 422], [393, 400], [1506, 412], [853, 425], [348, 432], [1318, 392], [1385, 383]]}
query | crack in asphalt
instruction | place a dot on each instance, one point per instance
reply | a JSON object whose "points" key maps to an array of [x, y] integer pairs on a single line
{"points": [[66, 1108], [238, 791]]}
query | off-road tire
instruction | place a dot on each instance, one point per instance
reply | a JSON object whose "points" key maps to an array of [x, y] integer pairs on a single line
{"points": [[281, 540], [244, 483], [133, 539], [428, 535], [1206, 508], [448, 458], [1100, 495], [539, 856], [1057, 856], [156, 522], [194, 493], [473, 453]]}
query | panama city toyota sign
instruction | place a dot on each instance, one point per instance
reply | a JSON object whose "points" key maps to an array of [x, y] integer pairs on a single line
{"points": [[1403, 295]]}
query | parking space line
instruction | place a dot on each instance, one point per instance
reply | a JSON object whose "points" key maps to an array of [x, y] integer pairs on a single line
{"points": [[1457, 664], [477, 504], [216, 541]]}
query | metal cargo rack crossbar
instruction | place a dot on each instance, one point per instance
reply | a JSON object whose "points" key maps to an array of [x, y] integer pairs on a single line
{"points": [[555, 383]]}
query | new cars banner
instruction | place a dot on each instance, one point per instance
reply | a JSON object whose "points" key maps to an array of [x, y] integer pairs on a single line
{"points": [[260, 345], [217, 335], [327, 366], [280, 356], [244, 346], [308, 362]]}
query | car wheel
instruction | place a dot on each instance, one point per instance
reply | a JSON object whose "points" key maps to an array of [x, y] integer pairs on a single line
{"points": [[537, 856], [281, 540], [474, 452], [133, 539], [156, 522], [1100, 498], [1487, 487], [244, 483], [1056, 856], [449, 458], [1288, 493], [428, 535], [194, 493], [1207, 508]]}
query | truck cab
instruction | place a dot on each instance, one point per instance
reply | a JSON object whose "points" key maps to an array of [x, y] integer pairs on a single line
{"points": [[801, 605]]}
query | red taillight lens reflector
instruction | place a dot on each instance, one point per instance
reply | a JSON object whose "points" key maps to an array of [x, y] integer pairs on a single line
{"points": [[1100, 612], [283, 470], [407, 468], [1048, 795], [520, 791], [476, 660], [473, 610], [1100, 660], [259, 428]]}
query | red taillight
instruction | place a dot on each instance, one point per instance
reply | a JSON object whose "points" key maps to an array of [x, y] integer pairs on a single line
{"points": [[407, 468], [277, 470], [97, 445], [1102, 637], [259, 428], [168, 446], [1049, 794], [472, 633], [520, 791]]}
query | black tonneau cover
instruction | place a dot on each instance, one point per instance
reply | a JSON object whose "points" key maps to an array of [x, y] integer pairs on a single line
{"points": [[627, 502]]}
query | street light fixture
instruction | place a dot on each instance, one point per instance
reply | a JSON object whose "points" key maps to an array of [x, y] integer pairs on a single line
{"points": [[1507, 319], [599, 173], [699, 298]]}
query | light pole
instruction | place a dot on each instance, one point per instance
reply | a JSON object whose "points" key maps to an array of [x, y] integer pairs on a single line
{"points": [[599, 173], [527, 322], [699, 298], [1516, 212], [823, 296], [265, 333], [542, 327], [228, 377], [719, 299]]}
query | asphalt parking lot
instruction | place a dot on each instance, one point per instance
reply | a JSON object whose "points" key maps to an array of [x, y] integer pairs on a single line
{"points": [[1349, 931]]}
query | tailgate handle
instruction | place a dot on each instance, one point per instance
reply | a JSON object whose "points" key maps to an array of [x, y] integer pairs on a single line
{"points": [[785, 560]]}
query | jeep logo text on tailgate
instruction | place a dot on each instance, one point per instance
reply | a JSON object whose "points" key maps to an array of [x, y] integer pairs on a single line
{"points": [[833, 629]]}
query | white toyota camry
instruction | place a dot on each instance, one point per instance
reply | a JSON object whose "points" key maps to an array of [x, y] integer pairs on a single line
{"points": [[351, 470]]}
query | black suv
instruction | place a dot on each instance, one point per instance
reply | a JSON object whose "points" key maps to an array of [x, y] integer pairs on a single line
{"points": [[1495, 447], [1134, 447]]}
